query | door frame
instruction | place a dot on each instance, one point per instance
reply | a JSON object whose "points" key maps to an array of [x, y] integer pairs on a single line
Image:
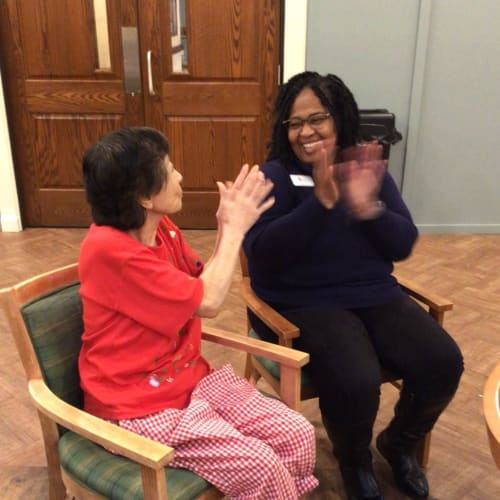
{"points": [[292, 61]]}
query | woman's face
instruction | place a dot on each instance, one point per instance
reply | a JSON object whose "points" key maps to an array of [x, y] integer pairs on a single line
{"points": [[309, 126], [169, 199]]}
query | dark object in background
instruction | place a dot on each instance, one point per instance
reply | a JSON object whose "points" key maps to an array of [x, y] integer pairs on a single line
{"points": [[380, 125]]}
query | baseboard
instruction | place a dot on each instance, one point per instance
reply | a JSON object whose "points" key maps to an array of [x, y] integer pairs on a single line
{"points": [[10, 223], [459, 228]]}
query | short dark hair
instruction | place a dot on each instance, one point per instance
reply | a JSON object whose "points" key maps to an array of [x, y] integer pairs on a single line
{"points": [[335, 97], [120, 169]]}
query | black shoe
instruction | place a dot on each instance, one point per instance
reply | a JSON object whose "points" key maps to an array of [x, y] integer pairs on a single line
{"points": [[407, 473], [360, 482]]}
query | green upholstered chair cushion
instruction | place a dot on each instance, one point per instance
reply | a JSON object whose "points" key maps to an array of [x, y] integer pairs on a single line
{"points": [[115, 477], [54, 323], [274, 368]]}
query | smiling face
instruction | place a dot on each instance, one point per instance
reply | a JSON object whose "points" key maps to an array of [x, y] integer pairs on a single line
{"points": [[305, 140]]}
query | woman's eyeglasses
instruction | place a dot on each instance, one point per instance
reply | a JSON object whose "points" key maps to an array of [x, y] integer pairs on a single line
{"points": [[315, 121]]}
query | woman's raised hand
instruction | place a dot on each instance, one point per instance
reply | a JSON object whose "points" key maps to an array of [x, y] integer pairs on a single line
{"points": [[242, 201], [360, 184], [325, 186]]}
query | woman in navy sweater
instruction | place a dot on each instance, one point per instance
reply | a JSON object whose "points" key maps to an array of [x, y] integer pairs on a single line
{"points": [[323, 257]]}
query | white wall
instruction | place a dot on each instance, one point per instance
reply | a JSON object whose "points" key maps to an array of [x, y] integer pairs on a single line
{"points": [[435, 64], [294, 45], [371, 46], [10, 218], [453, 182]]}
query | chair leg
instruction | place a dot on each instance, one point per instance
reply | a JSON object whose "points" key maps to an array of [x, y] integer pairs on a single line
{"points": [[251, 374], [57, 488]]}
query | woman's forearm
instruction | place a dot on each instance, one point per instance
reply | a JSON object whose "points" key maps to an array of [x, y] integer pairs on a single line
{"points": [[241, 204], [218, 272]]}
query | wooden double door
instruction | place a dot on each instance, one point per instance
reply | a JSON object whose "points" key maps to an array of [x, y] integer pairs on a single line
{"points": [[205, 72]]}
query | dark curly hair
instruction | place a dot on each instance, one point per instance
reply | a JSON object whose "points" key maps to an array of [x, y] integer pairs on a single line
{"points": [[120, 169], [335, 97]]}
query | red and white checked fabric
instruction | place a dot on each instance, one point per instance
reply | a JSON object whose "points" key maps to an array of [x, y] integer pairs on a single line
{"points": [[249, 446]]}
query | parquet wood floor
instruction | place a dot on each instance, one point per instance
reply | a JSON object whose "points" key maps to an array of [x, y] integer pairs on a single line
{"points": [[463, 268]]}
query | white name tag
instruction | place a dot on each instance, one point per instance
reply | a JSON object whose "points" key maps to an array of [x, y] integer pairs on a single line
{"points": [[301, 180]]}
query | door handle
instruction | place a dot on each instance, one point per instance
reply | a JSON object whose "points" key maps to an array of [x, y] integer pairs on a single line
{"points": [[151, 87]]}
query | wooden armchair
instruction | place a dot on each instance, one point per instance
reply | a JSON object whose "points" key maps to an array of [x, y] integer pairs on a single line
{"points": [[45, 316], [491, 408], [286, 331]]}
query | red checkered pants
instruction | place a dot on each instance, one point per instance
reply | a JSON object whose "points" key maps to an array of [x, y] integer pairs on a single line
{"points": [[247, 445]]}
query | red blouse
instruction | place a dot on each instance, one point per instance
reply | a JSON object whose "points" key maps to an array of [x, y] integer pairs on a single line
{"points": [[141, 341]]}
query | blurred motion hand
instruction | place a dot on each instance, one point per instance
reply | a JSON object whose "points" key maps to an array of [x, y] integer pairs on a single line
{"points": [[360, 185], [362, 152]]}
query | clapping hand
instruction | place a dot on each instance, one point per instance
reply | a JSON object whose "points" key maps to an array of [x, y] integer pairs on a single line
{"points": [[360, 183], [244, 200], [325, 185]]}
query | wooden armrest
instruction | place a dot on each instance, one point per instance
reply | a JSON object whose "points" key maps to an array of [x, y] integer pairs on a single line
{"points": [[273, 319], [142, 450], [491, 408], [430, 299], [284, 355], [290, 360]]}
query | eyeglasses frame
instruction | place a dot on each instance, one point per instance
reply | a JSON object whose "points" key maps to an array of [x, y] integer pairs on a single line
{"points": [[307, 120]]}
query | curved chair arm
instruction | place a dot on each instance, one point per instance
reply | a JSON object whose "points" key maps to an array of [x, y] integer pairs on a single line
{"points": [[290, 360], [437, 305], [142, 450], [281, 354], [491, 408], [284, 329]]}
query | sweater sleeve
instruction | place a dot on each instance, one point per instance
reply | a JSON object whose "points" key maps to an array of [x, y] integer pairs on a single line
{"points": [[393, 234], [283, 232]]}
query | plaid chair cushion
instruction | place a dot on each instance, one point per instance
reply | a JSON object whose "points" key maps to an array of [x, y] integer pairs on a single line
{"points": [[54, 323], [115, 477], [274, 368]]}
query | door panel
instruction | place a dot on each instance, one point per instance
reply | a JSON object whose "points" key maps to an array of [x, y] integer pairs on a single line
{"points": [[215, 106], [59, 100], [223, 38], [60, 194], [74, 96], [216, 113], [49, 51], [216, 98]]}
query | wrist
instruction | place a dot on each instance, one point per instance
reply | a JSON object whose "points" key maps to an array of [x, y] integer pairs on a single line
{"points": [[369, 210], [231, 233]]}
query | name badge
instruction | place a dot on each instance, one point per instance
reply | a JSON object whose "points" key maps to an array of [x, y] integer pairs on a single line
{"points": [[302, 180]]}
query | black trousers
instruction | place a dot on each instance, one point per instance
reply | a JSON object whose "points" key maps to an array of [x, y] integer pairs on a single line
{"points": [[348, 348]]}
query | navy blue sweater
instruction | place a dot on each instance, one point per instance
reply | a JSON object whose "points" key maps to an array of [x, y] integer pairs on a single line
{"points": [[302, 255]]}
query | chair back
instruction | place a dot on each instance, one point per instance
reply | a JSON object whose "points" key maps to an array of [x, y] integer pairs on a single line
{"points": [[47, 319]]}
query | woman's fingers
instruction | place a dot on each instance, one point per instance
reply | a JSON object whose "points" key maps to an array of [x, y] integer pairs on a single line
{"points": [[268, 203], [240, 179]]}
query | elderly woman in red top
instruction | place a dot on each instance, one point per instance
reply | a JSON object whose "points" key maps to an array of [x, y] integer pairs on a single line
{"points": [[144, 292]]}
